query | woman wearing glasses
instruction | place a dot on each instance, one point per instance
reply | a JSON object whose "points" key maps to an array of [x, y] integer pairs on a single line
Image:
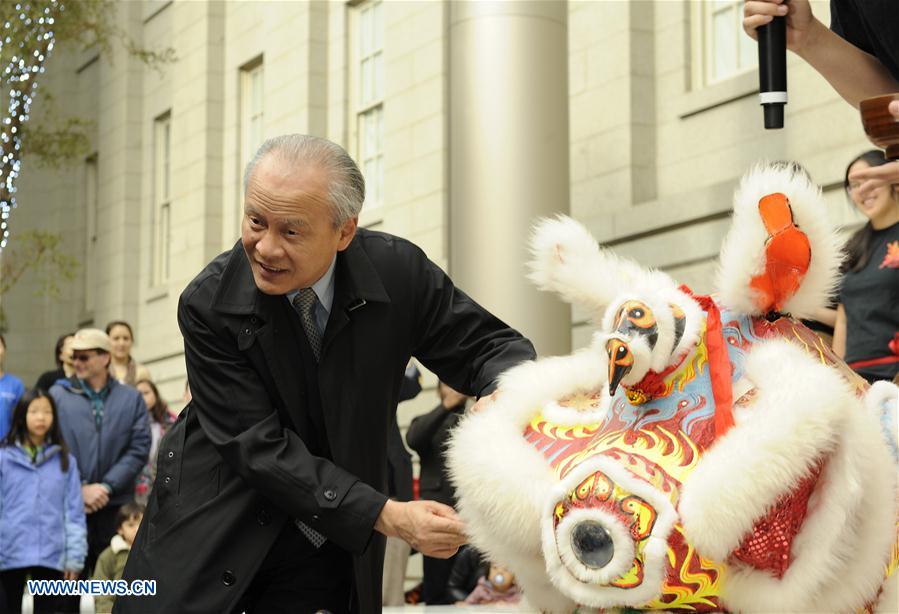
{"points": [[866, 334]]}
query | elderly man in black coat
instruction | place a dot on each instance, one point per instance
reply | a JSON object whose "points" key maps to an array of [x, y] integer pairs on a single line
{"points": [[269, 494]]}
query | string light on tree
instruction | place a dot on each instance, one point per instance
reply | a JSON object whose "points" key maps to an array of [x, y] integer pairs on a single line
{"points": [[32, 25]]}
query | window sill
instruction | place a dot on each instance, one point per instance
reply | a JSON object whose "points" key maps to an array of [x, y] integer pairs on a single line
{"points": [[735, 88], [156, 293]]}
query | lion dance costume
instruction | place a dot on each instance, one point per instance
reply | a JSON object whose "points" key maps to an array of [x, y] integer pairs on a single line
{"points": [[704, 453]]}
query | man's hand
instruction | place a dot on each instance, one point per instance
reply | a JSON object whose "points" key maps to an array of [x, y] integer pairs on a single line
{"points": [[68, 574], [485, 402], [432, 528], [95, 497], [801, 24], [863, 181], [894, 109]]}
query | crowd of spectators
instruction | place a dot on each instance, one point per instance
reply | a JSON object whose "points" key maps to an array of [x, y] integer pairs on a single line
{"points": [[83, 443]]}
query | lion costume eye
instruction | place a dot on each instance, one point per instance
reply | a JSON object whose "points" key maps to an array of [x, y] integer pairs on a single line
{"points": [[592, 544]]}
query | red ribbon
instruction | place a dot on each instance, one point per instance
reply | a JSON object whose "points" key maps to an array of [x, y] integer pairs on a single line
{"points": [[719, 363], [653, 384]]}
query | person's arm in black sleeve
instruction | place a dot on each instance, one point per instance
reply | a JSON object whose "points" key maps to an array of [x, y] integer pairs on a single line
{"points": [[411, 385], [236, 414], [460, 341], [423, 427]]}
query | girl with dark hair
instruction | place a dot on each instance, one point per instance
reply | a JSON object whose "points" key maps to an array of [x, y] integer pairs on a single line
{"points": [[123, 367], [866, 334], [161, 418], [43, 532]]}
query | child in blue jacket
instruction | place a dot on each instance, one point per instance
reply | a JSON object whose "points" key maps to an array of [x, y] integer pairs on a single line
{"points": [[42, 526]]}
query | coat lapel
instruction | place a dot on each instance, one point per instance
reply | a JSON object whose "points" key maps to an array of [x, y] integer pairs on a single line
{"points": [[282, 356], [356, 284], [265, 321], [357, 287]]}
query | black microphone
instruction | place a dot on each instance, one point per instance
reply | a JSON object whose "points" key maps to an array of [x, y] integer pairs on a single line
{"points": [[773, 71]]}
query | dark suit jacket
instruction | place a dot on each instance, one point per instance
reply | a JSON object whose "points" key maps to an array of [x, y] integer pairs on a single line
{"points": [[428, 435], [235, 466]]}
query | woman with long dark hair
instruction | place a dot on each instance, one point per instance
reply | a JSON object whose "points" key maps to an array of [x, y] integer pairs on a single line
{"points": [[43, 532], [866, 334], [123, 366], [161, 418]]}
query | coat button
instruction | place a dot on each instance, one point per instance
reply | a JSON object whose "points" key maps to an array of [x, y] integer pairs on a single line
{"points": [[228, 578], [171, 454], [315, 517], [263, 517], [330, 494], [247, 331], [167, 479]]}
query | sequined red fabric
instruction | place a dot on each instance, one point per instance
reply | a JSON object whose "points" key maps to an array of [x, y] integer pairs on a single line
{"points": [[768, 546]]}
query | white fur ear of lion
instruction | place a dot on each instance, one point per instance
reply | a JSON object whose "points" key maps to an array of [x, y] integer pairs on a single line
{"points": [[566, 259], [743, 251]]}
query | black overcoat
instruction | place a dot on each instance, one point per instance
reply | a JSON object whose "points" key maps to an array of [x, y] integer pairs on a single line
{"points": [[234, 468]]}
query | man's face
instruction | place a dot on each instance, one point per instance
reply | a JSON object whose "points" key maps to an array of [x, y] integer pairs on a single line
{"points": [[288, 231], [90, 363]]}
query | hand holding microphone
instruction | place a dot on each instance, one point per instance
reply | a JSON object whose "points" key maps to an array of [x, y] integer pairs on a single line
{"points": [[772, 39], [777, 27]]}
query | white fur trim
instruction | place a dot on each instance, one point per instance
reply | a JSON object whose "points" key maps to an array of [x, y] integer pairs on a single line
{"points": [[654, 552], [530, 386], [743, 252], [889, 599], [502, 481], [568, 416], [623, 553], [694, 317], [839, 554], [566, 259], [537, 589], [790, 426], [882, 400]]}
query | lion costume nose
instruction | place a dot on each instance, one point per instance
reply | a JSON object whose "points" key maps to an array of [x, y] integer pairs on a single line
{"points": [[621, 361]]}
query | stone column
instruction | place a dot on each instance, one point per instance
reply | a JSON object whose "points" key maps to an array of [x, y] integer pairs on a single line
{"points": [[508, 137]]}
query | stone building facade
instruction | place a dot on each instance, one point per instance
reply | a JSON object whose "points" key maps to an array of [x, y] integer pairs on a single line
{"points": [[469, 119]]}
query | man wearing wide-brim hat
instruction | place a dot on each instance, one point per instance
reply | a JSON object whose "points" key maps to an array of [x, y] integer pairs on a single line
{"points": [[105, 426]]}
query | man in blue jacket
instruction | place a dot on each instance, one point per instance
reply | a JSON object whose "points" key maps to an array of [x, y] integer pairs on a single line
{"points": [[105, 425]]}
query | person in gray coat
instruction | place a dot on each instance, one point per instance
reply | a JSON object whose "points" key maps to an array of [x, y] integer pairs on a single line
{"points": [[105, 425]]}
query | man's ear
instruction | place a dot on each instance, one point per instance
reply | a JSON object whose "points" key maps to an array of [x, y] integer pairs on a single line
{"points": [[347, 232]]}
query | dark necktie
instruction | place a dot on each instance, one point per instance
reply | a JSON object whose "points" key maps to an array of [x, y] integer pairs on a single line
{"points": [[304, 302]]}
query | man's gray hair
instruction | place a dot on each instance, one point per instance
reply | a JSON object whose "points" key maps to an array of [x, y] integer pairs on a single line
{"points": [[346, 186]]}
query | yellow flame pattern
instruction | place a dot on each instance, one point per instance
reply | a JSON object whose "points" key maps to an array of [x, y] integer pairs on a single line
{"points": [[700, 587]]}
